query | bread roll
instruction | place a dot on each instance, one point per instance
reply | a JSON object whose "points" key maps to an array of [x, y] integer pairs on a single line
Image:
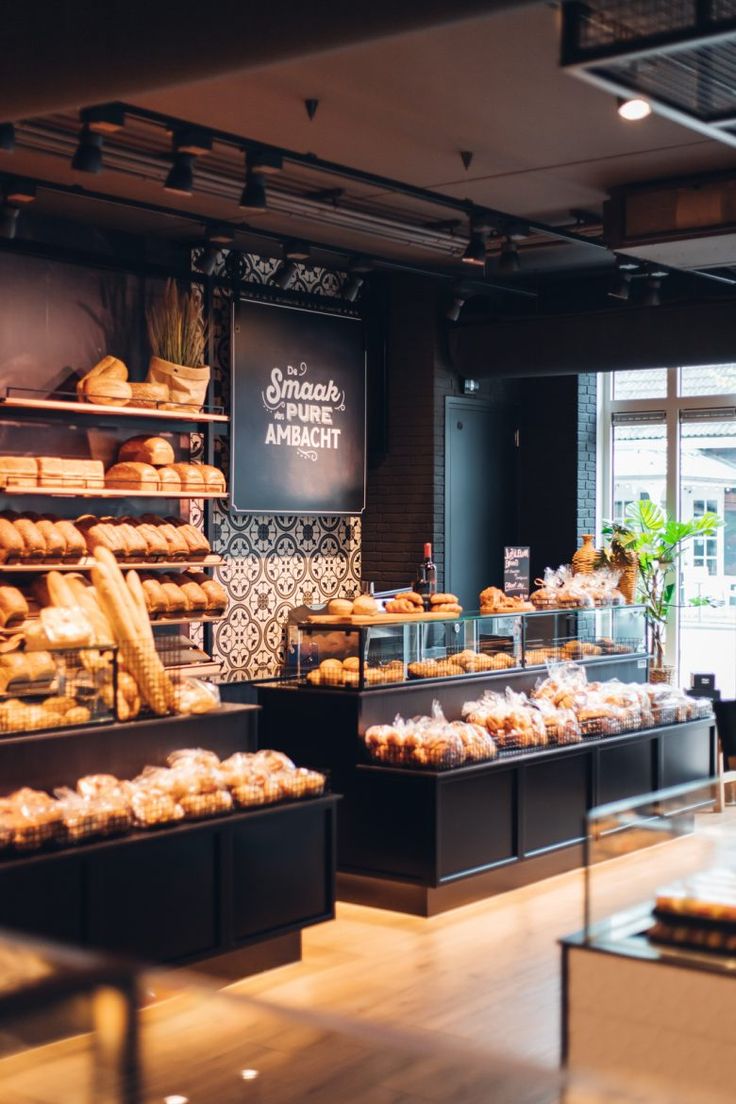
{"points": [[132, 476], [147, 450], [214, 480], [11, 542], [365, 605], [340, 607], [148, 394], [191, 476], [13, 606], [18, 471], [169, 480]]}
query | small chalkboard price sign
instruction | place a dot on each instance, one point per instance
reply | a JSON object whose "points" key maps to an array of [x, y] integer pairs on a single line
{"points": [[298, 411], [516, 570]]}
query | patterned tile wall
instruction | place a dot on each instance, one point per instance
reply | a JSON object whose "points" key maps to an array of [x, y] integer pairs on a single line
{"points": [[273, 563]]}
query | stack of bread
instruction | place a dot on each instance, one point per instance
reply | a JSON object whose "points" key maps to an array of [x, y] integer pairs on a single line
{"points": [[466, 662], [410, 603], [148, 464], [193, 784], [19, 473], [346, 672], [44, 538], [174, 595], [430, 742], [107, 384]]}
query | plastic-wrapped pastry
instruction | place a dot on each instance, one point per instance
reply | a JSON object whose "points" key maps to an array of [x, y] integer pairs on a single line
{"points": [[262, 790], [301, 782], [152, 806], [197, 805]]}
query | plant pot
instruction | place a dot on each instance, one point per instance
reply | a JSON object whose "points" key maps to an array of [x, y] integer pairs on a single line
{"points": [[661, 674], [187, 386], [584, 560]]}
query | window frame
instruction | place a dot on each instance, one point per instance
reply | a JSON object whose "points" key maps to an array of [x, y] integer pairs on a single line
{"points": [[672, 407]]}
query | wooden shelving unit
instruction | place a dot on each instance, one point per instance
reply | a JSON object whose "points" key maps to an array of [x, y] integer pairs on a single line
{"points": [[105, 492], [88, 562], [18, 402]]}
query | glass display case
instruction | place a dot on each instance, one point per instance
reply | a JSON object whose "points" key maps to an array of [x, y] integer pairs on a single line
{"points": [[675, 901], [346, 655]]}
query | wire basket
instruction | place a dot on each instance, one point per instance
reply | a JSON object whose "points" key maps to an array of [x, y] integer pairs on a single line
{"points": [[56, 688]]}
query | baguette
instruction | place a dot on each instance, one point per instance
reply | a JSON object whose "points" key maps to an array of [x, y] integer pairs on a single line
{"points": [[125, 607]]}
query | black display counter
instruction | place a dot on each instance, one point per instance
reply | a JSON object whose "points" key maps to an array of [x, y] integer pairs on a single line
{"points": [[246, 882], [424, 841]]}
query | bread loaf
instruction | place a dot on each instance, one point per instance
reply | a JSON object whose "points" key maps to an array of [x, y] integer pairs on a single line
{"points": [[89, 475], [216, 593], [196, 597], [177, 599], [18, 471], [157, 545], [169, 480], [76, 546], [191, 476], [157, 601], [147, 450], [136, 547], [100, 534], [13, 606], [148, 394], [11, 542], [34, 545], [55, 541], [214, 480], [50, 471], [177, 545], [108, 392], [198, 544], [132, 476]]}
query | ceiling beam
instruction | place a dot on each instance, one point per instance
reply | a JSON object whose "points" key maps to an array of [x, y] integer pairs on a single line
{"points": [[59, 54]]}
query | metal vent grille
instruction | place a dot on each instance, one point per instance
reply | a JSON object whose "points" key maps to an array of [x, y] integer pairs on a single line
{"points": [[680, 54], [609, 24]]}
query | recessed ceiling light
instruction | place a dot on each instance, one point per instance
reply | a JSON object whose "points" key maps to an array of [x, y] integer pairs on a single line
{"points": [[249, 1074], [634, 109]]}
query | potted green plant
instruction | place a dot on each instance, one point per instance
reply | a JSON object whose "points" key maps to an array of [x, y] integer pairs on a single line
{"points": [[177, 333], [657, 540]]}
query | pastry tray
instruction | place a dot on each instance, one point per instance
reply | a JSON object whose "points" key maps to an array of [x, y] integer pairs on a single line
{"points": [[378, 618]]}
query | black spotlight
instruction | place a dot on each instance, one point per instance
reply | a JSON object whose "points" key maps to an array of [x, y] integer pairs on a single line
{"points": [[8, 220], [254, 197], [215, 238], [508, 258], [454, 310], [475, 252], [351, 287], [180, 180], [7, 137], [88, 157], [621, 286], [653, 289], [285, 275]]}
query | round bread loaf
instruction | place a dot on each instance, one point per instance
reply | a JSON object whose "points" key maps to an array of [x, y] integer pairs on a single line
{"points": [[340, 607]]}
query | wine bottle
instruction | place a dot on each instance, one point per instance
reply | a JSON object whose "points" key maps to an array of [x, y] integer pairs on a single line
{"points": [[430, 571]]}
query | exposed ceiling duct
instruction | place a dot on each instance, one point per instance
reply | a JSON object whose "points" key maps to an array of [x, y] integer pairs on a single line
{"points": [[680, 56]]}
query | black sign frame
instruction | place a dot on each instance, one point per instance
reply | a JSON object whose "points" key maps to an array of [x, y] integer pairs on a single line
{"points": [[316, 508], [512, 575]]}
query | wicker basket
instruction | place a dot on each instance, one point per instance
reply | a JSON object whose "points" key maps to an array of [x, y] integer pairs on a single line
{"points": [[661, 674]]}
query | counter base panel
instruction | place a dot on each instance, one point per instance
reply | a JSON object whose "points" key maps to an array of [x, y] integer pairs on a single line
{"points": [[427, 901]]}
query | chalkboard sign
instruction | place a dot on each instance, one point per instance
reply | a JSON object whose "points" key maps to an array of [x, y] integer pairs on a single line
{"points": [[298, 411], [516, 571]]}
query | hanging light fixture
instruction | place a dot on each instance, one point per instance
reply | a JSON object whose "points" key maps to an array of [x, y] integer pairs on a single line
{"points": [[295, 252], [258, 165], [621, 285], [7, 137], [653, 289], [88, 155]]}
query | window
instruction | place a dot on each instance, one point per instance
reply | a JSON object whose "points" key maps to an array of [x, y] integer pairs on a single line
{"points": [[670, 435]]}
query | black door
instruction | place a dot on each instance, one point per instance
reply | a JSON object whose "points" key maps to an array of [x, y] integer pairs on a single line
{"points": [[480, 496]]}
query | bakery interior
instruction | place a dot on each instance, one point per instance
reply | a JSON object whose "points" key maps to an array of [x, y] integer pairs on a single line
{"points": [[367, 552]]}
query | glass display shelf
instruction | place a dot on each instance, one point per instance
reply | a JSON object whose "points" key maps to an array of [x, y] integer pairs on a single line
{"points": [[348, 656]]}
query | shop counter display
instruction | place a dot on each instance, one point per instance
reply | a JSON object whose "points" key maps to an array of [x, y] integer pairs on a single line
{"points": [[331, 652]]}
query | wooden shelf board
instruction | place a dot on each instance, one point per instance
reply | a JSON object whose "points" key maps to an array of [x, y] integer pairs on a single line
{"points": [[88, 562], [193, 619], [74, 407], [106, 492]]}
